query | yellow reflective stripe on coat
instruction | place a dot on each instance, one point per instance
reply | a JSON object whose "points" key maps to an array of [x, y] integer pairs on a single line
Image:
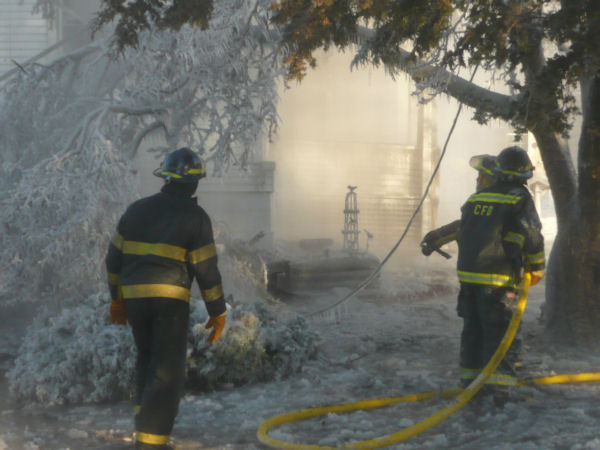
{"points": [[152, 439], [517, 238], [535, 258], [114, 278], [202, 253], [156, 290], [446, 239], [117, 241], [212, 294], [146, 248], [493, 197], [492, 279]]}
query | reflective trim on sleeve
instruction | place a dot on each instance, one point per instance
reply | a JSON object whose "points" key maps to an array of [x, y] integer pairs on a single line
{"points": [[492, 279], [493, 197], [156, 290], [516, 238], [536, 258], [114, 278], [152, 439], [117, 241], [146, 248], [444, 240], [212, 294], [137, 409], [202, 253], [511, 172]]}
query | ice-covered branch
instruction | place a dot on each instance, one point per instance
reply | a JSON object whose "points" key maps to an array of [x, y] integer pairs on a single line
{"points": [[142, 134], [70, 128]]}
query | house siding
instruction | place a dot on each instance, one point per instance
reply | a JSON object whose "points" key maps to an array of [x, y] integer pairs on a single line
{"points": [[22, 34]]}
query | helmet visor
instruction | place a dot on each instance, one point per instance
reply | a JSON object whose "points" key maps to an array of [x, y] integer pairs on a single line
{"points": [[483, 163]]}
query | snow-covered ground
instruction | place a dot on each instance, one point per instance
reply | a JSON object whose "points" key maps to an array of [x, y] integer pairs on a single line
{"points": [[399, 339]]}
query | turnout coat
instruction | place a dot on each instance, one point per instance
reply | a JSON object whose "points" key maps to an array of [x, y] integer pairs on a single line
{"points": [[499, 236]]}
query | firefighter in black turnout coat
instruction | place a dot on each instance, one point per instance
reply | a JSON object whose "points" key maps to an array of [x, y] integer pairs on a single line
{"points": [[161, 244], [499, 238]]}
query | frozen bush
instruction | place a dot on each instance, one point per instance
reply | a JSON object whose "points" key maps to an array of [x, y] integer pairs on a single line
{"points": [[77, 357], [255, 347]]}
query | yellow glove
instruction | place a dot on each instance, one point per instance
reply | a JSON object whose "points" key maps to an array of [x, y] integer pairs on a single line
{"points": [[118, 312], [217, 324], [536, 276]]}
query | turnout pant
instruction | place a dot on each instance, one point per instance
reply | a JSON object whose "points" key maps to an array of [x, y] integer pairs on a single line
{"points": [[160, 328], [486, 312]]}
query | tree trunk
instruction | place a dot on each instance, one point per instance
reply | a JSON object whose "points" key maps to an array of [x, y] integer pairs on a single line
{"points": [[571, 313], [572, 310]]}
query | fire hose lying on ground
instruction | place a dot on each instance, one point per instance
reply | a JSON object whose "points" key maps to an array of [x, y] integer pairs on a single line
{"points": [[459, 396]]}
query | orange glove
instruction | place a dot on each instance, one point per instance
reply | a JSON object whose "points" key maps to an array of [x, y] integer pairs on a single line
{"points": [[536, 276], [217, 324], [118, 312]]}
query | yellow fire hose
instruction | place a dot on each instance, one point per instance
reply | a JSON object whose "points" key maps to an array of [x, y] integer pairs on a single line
{"points": [[460, 396]]}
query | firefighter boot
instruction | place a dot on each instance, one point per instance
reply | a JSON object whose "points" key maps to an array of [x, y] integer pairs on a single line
{"points": [[501, 396]]}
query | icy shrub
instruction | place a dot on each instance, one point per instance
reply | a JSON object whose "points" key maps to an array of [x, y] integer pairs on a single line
{"points": [[75, 357], [254, 347]]}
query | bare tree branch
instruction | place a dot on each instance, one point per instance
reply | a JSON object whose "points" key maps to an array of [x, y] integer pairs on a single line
{"points": [[482, 99]]}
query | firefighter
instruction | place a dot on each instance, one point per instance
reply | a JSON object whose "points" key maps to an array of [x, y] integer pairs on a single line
{"points": [[485, 165], [161, 244], [499, 238]]}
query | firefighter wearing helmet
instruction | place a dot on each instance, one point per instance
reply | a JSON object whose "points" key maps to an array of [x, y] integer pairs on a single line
{"points": [[161, 244], [499, 238]]}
